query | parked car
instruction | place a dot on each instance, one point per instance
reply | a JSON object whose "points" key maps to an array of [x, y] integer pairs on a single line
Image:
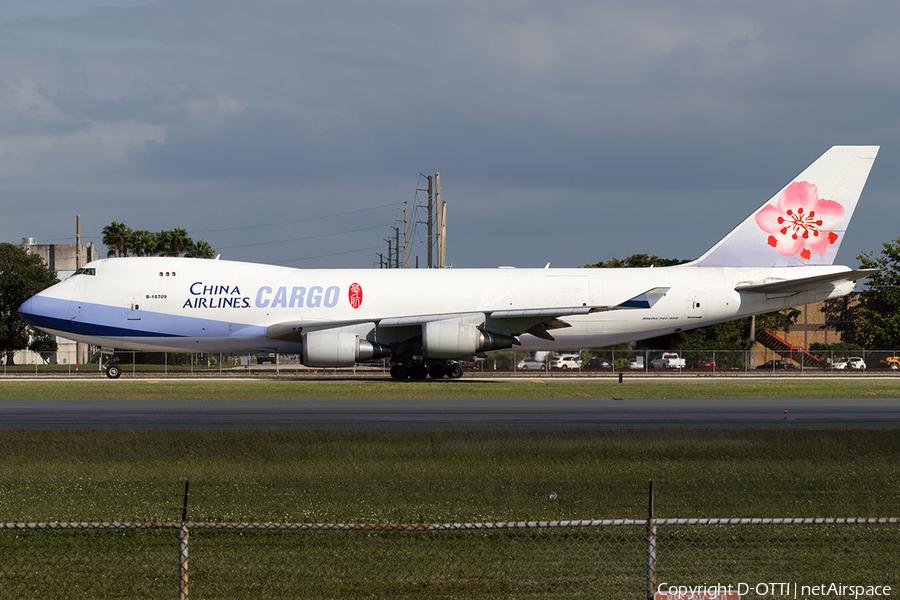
{"points": [[852, 362], [476, 362], [598, 362], [566, 361], [668, 360], [893, 362], [776, 364], [529, 364], [264, 357], [635, 362], [706, 363]]}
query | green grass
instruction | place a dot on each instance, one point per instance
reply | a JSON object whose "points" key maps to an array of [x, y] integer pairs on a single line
{"points": [[314, 476], [174, 389], [450, 476]]}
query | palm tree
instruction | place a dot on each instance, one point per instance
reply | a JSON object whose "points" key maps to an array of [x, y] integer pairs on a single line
{"points": [[115, 238], [164, 243], [180, 241], [201, 250], [143, 242], [173, 242]]}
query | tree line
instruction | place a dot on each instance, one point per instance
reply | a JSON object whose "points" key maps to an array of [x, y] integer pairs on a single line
{"points": [[22, 275], [121, 240]]}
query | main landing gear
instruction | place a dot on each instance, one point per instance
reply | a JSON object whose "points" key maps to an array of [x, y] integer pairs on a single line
{"points": [[420, 370]]}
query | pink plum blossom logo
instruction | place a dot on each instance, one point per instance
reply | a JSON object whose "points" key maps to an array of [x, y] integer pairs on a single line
{"points": [[801, 223]]}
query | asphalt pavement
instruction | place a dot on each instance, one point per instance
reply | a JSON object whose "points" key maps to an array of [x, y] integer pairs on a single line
{"points": [[429, 414]]}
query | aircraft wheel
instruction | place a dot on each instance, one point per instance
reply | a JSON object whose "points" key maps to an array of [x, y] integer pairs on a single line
{"points": [[399, 371], [455, 371], [419, 371], [113, 371], [436, 370]]}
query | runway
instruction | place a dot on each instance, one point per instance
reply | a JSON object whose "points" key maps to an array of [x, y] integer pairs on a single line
{"points": [[425, 415]]}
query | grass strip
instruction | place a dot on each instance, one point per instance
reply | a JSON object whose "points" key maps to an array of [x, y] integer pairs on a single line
{"points": [[324, 476]]}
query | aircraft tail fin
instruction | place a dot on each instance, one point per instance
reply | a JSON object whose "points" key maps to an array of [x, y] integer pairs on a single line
{"points": [[804, 223]]}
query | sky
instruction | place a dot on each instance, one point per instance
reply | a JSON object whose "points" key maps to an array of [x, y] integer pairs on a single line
{"points": [[569, 132]]}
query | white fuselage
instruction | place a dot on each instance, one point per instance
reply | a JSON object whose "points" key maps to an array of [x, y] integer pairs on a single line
{"points": [[180, 304]]}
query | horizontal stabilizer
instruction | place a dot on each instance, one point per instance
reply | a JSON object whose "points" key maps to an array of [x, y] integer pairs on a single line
{"points": [[794, 286]]}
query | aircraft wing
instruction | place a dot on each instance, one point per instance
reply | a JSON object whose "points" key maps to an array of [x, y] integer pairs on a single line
{"points": [[641, 301], [531, 320], [795, 286]]}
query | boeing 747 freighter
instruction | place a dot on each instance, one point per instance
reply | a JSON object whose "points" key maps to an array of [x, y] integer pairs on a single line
{"points": [[427, 321]]}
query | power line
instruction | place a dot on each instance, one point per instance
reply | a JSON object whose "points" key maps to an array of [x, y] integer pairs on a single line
{"points": [[193, 232], [349, 212], [280, 262], [309, 237]]}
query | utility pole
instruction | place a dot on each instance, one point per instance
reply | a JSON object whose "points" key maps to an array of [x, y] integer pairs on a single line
{"points": [[405, 241], [430, 264], [389, 254], [78, 347], [397, 256], [437, 208], [443, 241]]}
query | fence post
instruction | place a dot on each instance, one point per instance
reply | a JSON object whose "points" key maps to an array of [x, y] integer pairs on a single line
{"points": [[183, 562], [651, 550], [183, 548]]}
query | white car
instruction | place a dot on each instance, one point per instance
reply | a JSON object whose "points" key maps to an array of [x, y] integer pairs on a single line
{"points": [[854, 362], [566, 361], [529, 364]]}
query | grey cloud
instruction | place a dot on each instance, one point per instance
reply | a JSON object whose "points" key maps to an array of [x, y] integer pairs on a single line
{"points": [[578, 103]]}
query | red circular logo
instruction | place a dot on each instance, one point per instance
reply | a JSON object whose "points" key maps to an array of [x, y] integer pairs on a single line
{"points": [[355, 295]]}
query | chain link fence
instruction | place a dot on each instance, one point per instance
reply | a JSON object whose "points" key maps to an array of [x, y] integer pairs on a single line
{"points": [[613, 362], [550, 558]]}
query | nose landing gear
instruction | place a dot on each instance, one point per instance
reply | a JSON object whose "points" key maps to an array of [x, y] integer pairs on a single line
{"points": [[113, 371]]}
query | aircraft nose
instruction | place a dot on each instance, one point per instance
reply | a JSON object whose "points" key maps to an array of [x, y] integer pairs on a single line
{"points": [[43, 312]]}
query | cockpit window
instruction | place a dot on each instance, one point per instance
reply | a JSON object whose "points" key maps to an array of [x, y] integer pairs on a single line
{"points": [[85, 271]]}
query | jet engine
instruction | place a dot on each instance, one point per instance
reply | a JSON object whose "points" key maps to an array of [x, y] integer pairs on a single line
{"points": [[339, 349], [452, 339]]}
